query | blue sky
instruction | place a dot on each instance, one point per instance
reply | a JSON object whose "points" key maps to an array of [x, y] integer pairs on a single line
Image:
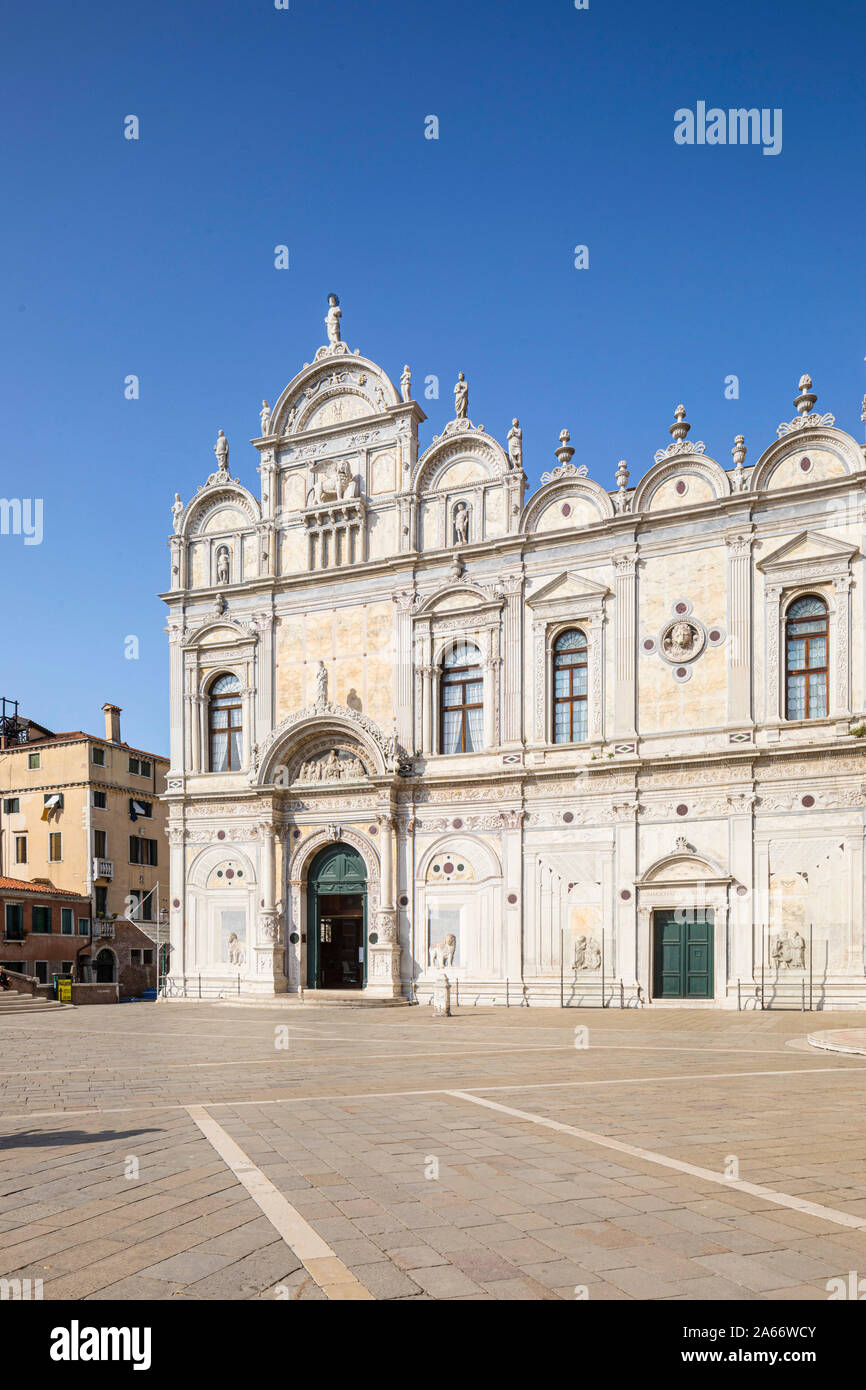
{"points": [[306, 127]]}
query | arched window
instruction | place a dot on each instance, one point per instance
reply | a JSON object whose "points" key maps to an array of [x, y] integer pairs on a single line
{"points": [[569, 687], [225, 724], [806, 658], [462, 700]]}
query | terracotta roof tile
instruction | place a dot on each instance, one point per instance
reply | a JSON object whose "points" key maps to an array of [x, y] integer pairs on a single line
{"points": [[41, 890]]}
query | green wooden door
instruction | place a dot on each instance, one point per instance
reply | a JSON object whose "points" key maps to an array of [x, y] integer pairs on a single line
{"points": [[336, 919], [683, 954]]}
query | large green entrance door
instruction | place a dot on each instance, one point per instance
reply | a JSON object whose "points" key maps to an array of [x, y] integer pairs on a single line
{"points": [[336, 919], [683, 954]]}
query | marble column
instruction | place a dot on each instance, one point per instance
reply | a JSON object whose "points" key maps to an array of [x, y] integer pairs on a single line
{"points": [[177, 895], [405, 601], [625, 693], [427, 709], [739, 630], [741, 840], [626, 964], [513, 656], [383, 954], [269, 977]]}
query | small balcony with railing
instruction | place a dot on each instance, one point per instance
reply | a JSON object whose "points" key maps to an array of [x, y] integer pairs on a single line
{"points": [[103, 870]]}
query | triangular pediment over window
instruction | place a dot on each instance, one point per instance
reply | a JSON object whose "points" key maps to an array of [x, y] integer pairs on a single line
{"points": [[809, 549], [568, 586]]}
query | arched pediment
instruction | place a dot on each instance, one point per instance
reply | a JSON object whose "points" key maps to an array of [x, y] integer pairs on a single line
{"points": [[565, 504], [312, 728], [209, 860], [336, 388], [462, 456], [203, 512], [683, 866], [808, 454], [479, 859], [685, 480], [460, 598], [220, 632]]}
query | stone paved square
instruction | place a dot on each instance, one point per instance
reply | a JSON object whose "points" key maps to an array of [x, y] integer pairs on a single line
{"points": [[177, 1151]]}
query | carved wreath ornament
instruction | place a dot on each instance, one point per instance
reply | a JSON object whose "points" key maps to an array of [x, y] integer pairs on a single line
{"points": [[682, 640]]}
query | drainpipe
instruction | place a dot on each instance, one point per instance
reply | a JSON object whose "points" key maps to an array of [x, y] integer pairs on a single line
{"points": [[88, 843]]}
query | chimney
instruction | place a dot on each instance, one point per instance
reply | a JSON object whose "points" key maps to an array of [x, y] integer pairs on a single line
{"points": [[112, 723]]}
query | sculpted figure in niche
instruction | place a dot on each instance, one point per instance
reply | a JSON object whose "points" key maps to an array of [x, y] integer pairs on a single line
{"points": [[332, 319], [461, 523], [236, 954], [790, 951], [334, 486], [223, 565], [681, 642], [321, 684], [515, 444], [587, 953], [442, 952]]}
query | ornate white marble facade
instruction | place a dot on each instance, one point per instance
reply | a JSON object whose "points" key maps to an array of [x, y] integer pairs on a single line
{"points": [[339, 596]]}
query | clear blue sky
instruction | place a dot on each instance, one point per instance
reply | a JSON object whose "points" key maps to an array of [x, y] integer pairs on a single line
{"points": [[306, 127]]}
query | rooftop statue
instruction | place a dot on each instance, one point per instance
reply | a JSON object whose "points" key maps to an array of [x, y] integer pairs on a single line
{"points": [[332, 319]]}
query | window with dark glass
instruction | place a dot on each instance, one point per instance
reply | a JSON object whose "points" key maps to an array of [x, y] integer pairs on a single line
{"points": [[142, 851], [461, 695], [41, 918], [806, 632], [14, 921], [225, 724], [569, 687]]}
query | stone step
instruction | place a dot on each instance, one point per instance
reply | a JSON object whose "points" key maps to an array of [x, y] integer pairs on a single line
{"points": [[26, 1003], [349, 999]]}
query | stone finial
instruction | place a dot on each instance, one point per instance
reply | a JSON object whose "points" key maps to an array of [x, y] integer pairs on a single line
{"points": [[565, 452], [806, 399], [621, 501], [738, 454], [680, 428], [863, 410], [265, 417]]}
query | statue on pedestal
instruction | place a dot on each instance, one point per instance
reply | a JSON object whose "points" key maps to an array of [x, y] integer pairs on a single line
{"points": [[461, 398], [515, 444], [332, 319], [221, 449]]}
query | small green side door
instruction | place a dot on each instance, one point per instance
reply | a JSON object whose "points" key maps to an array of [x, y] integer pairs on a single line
{"points": [[683, 954]]}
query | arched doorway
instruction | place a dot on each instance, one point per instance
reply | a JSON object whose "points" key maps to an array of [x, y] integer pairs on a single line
{"points": [[105, 967], [336, 919]]}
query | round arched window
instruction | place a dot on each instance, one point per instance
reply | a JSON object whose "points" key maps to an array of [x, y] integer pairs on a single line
{"points": [[225, 724], [806, 635], [569, 687], [462, 699]]}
